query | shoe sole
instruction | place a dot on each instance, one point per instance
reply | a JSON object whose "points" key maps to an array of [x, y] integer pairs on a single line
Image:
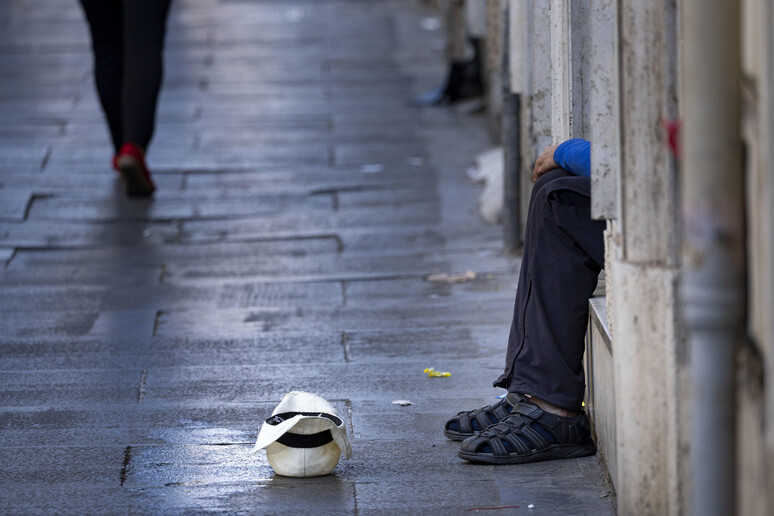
{"points": [[553, 452], [137, 184]]}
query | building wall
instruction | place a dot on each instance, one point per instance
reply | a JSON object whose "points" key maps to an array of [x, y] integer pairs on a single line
{"points": [[609, 71], [755, 451]]}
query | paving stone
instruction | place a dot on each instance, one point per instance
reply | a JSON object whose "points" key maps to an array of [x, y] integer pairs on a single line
{"points": [[392, 152], [56, 234], [139, 352], [100, 182], [185, 158], [30, 324], [116, 274], [248, 384], [158, 255], [58, 388], [27, 132], [257, 227], [57, 464], [12, 154], [506, 493], [14, 203], [6, 253], [473, 342], [330, 268], [70, 208], [211, 465], [138, 425], [135, 297], [69, 497], [241, 322], [310, 179]]}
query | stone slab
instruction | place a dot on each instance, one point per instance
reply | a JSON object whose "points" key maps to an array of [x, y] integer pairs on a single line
{"points": [[14, 203], [258, 320], [68, 208], [60, 352]]}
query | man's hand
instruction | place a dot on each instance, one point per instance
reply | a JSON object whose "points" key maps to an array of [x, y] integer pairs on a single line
{"points": [[545, 162]]}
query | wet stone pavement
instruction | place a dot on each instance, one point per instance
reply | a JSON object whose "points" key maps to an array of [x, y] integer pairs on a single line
{"points": [[302, 202]]}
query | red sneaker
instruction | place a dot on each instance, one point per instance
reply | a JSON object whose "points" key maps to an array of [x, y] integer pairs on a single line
{"points": [[130, 163]]}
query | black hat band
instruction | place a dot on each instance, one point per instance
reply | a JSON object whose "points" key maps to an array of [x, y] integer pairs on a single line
{"points": [[292, 440]]}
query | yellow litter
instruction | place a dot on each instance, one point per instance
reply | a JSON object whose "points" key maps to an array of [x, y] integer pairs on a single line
{"points": [[432, 373]]}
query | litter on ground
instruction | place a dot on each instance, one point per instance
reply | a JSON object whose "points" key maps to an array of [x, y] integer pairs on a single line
{"points": [[446, 277]]}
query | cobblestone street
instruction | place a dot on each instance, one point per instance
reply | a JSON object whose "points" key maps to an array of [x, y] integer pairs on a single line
{"points": [[301, 204]]}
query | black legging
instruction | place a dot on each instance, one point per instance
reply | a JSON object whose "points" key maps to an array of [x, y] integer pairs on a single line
{"points": [[128, 38]]}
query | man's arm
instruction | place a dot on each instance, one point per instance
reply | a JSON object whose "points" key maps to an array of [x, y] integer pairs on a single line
{"points": [[573, 155]]}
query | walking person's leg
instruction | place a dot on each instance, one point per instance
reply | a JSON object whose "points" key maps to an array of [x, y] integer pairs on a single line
{"points": [[105, 19], [144, 30]]}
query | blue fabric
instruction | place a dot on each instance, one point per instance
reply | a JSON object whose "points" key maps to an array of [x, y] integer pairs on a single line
{"points": [[574, 156]]}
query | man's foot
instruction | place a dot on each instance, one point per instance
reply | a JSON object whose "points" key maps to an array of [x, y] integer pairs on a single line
{"points": [[552, 409], [130, 163], [530, 434], [465, 423]]}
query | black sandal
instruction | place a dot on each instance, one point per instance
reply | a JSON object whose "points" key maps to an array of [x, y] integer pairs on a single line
{"points": [[466, 423], [529, 434]]}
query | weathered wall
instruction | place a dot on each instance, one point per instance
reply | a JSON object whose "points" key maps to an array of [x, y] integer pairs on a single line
{"points": [[531, 78], [645, 265], [603, 110], [493, 66], [648, 99], [608, 70], [768, 301], [754, 460], [644, 323]]}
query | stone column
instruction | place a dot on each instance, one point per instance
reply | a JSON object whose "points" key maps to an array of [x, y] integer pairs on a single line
{"points": [[644, 257]]}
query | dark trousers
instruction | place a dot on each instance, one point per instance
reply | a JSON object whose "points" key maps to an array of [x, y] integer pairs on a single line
{"points": [[128, 38], [563, 255]]}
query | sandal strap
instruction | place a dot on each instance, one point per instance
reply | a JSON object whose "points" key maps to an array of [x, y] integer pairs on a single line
{"points": [[486, 416], [516, 428], [518, 444], [530, 410], [500, 413], [538, 441], [465, 421], [498, 448], [482, 415]]}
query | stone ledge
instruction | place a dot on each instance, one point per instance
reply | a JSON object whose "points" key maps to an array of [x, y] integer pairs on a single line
{"points": [[600, 387]]}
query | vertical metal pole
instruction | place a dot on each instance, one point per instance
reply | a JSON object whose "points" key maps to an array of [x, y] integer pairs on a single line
{"points": [[511, 148], [713, 257]]}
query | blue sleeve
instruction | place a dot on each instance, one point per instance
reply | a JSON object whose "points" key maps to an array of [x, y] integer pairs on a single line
{"points": [[574, 156]]}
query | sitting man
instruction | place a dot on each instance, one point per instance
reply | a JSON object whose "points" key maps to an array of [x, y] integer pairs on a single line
{"points": [[542, 417]]}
